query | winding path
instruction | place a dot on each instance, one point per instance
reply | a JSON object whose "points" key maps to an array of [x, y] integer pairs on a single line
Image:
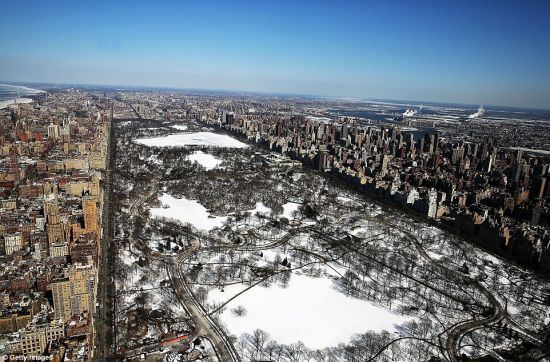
{"points": [[451, 347], [206, 325]]}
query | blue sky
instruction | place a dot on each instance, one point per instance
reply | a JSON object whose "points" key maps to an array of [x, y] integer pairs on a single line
{"points": [[479, 52]]}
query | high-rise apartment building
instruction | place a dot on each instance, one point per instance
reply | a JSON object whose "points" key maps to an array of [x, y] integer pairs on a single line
{"points": [[90, 214], [74, 294]]}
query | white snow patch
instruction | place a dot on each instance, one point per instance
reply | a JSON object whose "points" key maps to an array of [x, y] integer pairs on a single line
{"points": [[345, 199], [261, 208], [206, 160], [154, 159], [192, 139], [512, 309], [187, 211], [270, 255], [289, 208], [434, 255], [127, 257], [307, 310], [180, 127]]}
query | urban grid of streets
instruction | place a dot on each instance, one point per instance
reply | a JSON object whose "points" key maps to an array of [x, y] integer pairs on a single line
{"points": [[456, 293]]}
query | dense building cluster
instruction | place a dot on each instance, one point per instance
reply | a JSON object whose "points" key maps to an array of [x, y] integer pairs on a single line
{"points": [[489, 192], [487, 178], [52, 153], [56, 293], [281, 215]]}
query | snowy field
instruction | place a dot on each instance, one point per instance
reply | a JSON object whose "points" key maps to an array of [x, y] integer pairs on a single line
{"points": [[206, 160], [180, 127], [260, 208], [308, 309], [289, 209], [192, 212], [187, 211], [208, 139]]}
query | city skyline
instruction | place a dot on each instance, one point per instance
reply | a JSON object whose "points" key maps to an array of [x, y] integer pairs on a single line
{"points": [[163, 225], [275, 180], [457, 53]]}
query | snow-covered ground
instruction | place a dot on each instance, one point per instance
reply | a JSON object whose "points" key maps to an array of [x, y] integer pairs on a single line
{"points": [[192, 211], [345, 199], [180, 127], [261, 208], [206, 160], [289, 208], [153, 159], [192, 139], [127, 257], [308, 309], [187, 211]]}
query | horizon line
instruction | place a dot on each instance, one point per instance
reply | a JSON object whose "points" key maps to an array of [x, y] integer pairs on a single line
{"points": [[290, 94]]}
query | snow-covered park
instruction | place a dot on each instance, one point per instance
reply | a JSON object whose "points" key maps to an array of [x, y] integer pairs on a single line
{"points": [[187, 211], [308, 309], [208, 139], [180, 127], [206, 160], [322, 270]]}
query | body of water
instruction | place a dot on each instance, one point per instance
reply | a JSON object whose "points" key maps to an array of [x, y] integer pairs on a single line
{"points": [[10, 93], [388, 111]]}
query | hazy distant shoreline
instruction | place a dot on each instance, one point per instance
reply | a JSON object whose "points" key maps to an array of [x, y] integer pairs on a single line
{"points": [[11, 94]]}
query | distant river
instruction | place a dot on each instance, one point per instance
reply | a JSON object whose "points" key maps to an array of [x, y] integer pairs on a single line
{"points": [[9, 93]]}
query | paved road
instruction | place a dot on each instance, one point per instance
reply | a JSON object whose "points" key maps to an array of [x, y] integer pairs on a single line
{"points": [[103, 323], [205, 325], [451, 347]]}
